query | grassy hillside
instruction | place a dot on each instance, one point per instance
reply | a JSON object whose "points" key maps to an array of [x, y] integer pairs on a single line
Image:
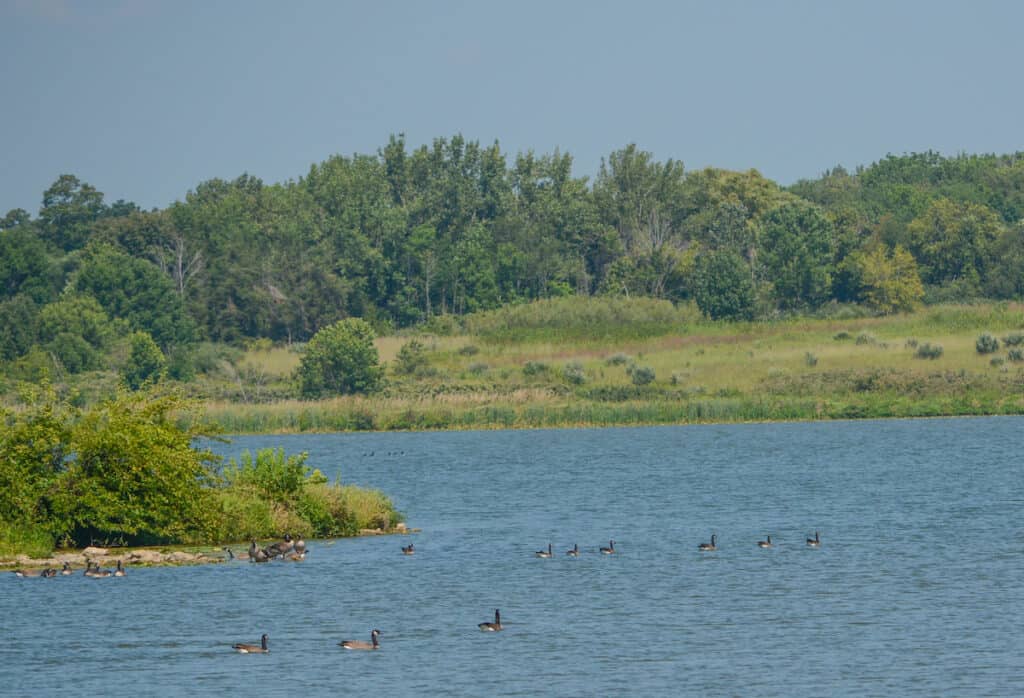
{"points": [[610, 362]]}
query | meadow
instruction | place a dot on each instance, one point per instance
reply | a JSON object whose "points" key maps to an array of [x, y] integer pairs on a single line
{"points": [[602, 362]]}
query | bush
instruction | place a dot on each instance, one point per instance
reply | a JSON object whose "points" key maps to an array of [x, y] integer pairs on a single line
{"points": [[340, 359], [1015, 355], [929, 351], [842, 336], [642, 375], [274, 475], [865, 338], [986, 344], [534, 368], [1013, 340], [810, 359], [469, 350], [573, 373], [411, 358], [997, 361], [617, 359], [478, 368], [146, 363], [910, 343]]}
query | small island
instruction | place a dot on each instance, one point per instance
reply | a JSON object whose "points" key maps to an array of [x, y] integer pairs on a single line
{"points": [[129, 471]]}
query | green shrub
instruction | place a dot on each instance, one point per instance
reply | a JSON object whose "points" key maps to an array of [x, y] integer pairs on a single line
{"points": [[986, 344], [411, 358], [469, 350], [911, 343], [534, 368], [865, 338], [928, 351], [618, 359], [1013, 340], [573, 373], [478, 368], [642, 375], [24, 539], [997, 361], [275, 475], [1015, 355], [842, 336], [810, 359]]}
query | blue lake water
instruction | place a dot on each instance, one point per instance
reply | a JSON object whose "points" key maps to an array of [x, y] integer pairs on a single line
{"points": [[917, 588]]}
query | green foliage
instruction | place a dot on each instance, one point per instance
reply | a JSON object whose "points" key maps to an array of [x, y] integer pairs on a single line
{"points": [[534, 368], [986, 344], [618, 359], [723, 288], [274, 475], [411, 358], [865, 338], [146, 363], [928, 351], [842, 336], [340, 359], [642, 375], [1013, 340], [573, 373], [889, 282], [1015, 355], [469, 350], [810, 359], [76, 331], [797, 242]]}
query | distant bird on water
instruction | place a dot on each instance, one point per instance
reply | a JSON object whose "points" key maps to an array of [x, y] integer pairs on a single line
{"points": [[765, 543], [610, 550], [373, 644], [261, 648], [408, 549], [544, 553], [492, 627], [575, 552], [814, 542], [708, 547]]}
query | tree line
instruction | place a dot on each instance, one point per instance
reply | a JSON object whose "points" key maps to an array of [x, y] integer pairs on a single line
{"points": [[404, 235]]}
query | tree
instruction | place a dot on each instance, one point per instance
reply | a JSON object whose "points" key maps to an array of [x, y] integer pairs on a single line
{"points": [[146, 363], [69, 209], [797, 253], [890, 282], [340, 359], [953, 241], [722, 286], [76, 331]]}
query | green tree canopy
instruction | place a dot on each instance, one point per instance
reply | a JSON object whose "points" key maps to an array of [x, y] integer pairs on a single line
{"points": [[796, 252], [339, 360], [722, 287]]}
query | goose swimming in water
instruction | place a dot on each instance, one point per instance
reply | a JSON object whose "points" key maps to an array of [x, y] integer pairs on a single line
{"points": [[374, 643], [257, 554], [492, 627], [279, 549], [765, 543], [708, 547], [299, 545], [575, 552], [120, 571], [27, 573], [814, 542], [67, 569], [408, 549], [261, 648], [610, 550], [544, 553]]}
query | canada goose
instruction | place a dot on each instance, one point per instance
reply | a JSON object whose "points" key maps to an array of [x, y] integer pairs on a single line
{"points": [[543, 553], [374, 643], [300, 545], [814, 542], [295, 556], [67, 569], [120, 571], [765, 543], [279, 549], [707, 547], [257, 554], [575, 552], [88, 568], [492, 627], [252, 649], [609, 550], [408, 549], [49, 572], [27, 573], [97, 573]]}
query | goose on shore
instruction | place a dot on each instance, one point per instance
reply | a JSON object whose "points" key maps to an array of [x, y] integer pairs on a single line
{"points": [[765, 543], [492, 627], [261, 648], [708, 547], [279, 549], [610, 550], [544, 553], [373, 644], [408, 549], [814, 542], [575, 552], [257, 554]]}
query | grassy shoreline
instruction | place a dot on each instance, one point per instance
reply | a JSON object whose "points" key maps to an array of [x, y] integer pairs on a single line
{"points": [[584, 373]]}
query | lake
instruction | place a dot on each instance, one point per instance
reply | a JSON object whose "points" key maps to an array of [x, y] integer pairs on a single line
{"points": [[917, 588]]}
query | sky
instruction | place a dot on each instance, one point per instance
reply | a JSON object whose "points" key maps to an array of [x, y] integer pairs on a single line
{"points": [[145, 99]]}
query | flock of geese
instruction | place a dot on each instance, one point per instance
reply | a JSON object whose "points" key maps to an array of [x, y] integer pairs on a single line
{"points": [[295, 550], [495, 625]]}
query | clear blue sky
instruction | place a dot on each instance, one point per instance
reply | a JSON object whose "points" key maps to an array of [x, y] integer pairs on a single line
{"points": [[144, 99]]}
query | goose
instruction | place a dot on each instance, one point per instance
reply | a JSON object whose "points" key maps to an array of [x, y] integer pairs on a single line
{"points": [[814, 542], [575, 552], [300, 545], [295, 556], [707, 547], [120, 571], [97, 573], [88, 568], [374, 643], [27, 573], [765, 543], [544, 553], [492, 627], [408, 549], [610, 550], [279, 549], [49, 572], [67, 569], [257, 554], [261, 648]]}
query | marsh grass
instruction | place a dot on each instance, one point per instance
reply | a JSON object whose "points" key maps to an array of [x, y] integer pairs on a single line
{"points": [[720, 371], [16, 539]]}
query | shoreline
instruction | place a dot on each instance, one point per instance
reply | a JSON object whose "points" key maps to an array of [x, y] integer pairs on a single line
{"points": [[160, 556]]}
